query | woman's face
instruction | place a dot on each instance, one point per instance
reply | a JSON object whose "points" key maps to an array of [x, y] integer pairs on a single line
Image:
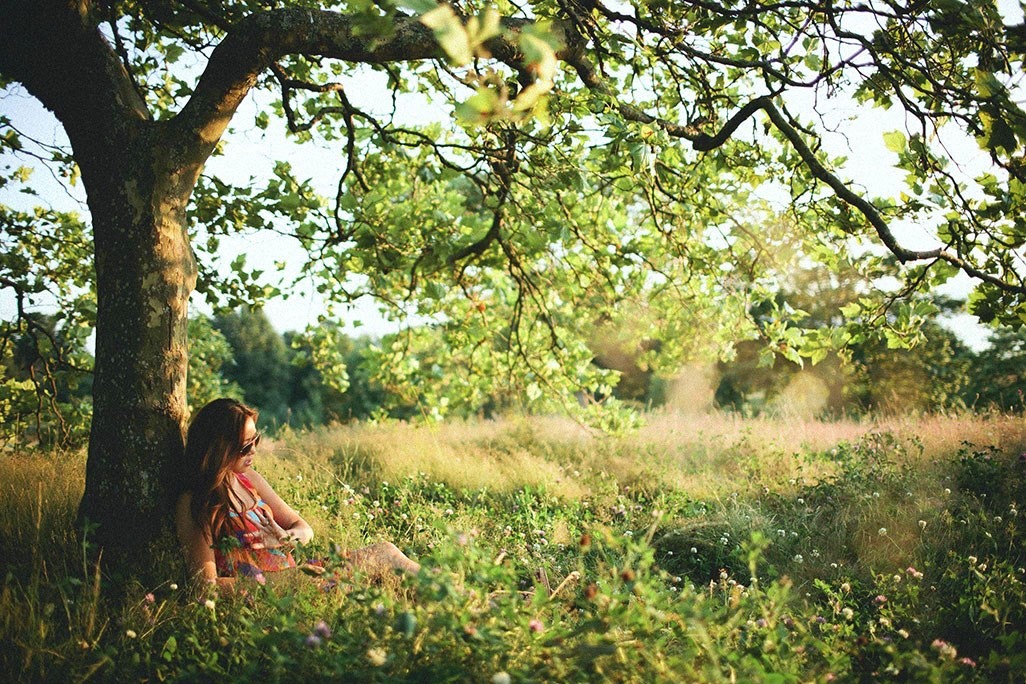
{"points": [[250, 442]]}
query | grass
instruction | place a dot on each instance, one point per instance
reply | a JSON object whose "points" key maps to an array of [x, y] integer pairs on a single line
{"points": [[701, 548]]}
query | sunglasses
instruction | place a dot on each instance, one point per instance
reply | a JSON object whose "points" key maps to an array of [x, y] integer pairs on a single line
{"points": [[250, 446]]}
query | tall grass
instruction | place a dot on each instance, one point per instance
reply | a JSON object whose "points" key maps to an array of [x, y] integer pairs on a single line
{"points": [[702, 548]]}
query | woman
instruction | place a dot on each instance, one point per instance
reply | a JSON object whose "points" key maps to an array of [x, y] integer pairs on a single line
{"points": [[230, 521]]}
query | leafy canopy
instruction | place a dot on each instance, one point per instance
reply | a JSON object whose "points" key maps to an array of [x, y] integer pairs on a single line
{"points": [[650, 165]]}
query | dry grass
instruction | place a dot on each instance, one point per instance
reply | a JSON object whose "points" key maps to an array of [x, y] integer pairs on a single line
{"points": [[709, 455]]}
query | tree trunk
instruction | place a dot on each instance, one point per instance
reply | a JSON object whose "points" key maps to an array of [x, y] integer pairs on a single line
{"points": [[145, 272]]}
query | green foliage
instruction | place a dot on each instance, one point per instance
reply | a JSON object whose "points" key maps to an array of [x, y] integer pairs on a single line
{"points": [[259, 363], [996, 375], [209, 355]]}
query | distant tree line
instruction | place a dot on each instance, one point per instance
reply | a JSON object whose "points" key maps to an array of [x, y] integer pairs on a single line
{"points": [[45, 388]]}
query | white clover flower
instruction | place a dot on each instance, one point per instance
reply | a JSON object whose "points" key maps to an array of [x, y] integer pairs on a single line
{"points": [[997, 518], [377, 656], [130, 633], [798, 558], [882, 531], [848, 613], [903, 633], [801, 501], [694, 550], [922, 524], [173, 587], [209, 604], [947, 490]]}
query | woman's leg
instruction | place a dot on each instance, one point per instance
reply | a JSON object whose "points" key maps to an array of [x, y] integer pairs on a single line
{"points": [[382, 556]]}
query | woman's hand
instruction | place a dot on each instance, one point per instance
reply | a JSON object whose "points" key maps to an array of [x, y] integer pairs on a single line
{"points": [[269, 534]]}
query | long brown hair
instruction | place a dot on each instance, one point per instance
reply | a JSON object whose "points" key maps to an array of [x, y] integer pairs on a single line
{"points": [[212, 445]]}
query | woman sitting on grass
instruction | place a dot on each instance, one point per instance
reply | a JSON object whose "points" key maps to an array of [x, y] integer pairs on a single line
{"points": [[230, 521]]}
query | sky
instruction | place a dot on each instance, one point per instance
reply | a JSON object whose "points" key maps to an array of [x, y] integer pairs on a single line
{"points": [[253, 152]]}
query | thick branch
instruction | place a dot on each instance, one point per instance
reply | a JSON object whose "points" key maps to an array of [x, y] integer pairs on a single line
{"points": [[57, 52]]}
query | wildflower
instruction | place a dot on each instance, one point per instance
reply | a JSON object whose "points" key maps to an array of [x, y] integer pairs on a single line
{"points": [[913, 573], [798, 558], [973, 559], [694, 550], [448, 511], [968, 662], [130, 633], [997, 518], [882, 531], [322, 629], [947, 490], [884, 622], [174, 587], [536, 625], [313, 641], [944, 649], [848, 613], [845, 587], [880, 599], [209, 604], [377, 656], [761, 622], [876, 495], [903, 633], [500, 678], [801, 501], [922, 524], [150, 598]]}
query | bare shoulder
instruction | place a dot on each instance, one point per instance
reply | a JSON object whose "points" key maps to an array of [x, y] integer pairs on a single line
{"points": [[260, 484], [256, 479]]}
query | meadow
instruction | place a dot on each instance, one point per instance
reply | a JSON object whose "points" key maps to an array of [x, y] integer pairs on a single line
{"points": [[698, 549]]}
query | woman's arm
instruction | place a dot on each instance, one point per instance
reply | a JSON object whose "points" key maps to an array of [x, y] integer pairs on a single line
{"points": [[199, 556], [296, 529]]}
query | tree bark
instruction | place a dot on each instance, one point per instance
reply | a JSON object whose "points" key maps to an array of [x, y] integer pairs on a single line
{"points": [[145, 272]]}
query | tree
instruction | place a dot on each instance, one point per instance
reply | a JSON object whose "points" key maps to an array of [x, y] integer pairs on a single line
{"points": [[609, 156], [260, 362], [997, 374]]}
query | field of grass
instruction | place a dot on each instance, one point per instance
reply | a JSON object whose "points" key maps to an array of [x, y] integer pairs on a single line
{"points": [[697, 549]]}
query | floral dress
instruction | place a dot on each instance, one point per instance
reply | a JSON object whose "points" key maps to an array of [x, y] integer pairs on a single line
{"points": [[234, 554]]}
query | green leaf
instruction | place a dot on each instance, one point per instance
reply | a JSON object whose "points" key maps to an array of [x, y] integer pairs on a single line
{"points": [[450, 34], [895, 141]]}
